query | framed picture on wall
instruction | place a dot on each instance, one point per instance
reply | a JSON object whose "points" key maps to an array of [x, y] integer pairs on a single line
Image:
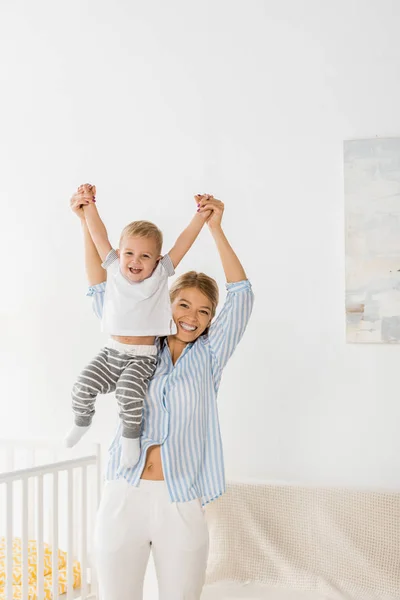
{"points": [[372, 215]]}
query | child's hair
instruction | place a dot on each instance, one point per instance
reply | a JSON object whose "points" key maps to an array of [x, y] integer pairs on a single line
{"points": [[143, 229], [207, 285]]}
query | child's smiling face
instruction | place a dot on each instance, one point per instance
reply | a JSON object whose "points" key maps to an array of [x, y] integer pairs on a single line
{"points": [[138, 257]]}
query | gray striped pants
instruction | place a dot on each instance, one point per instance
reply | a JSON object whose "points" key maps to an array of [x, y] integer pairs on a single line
{"points": [[126, 373]]}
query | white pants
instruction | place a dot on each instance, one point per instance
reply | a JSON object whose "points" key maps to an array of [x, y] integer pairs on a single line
{"points": [[132, 521]]}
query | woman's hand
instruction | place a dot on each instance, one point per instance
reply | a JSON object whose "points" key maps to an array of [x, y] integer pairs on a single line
{"points": [[205, 215], [211, 208], [88, 191], [85, 195]]}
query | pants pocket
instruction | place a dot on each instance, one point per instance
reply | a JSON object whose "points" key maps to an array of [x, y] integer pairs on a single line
{"points": [[110, 525], [191, 525]]}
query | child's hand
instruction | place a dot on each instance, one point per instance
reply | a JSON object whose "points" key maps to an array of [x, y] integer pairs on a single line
{"points": [[199, 198], [84, 196], [77, 203]]}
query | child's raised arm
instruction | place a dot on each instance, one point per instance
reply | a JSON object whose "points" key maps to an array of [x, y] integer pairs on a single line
{"points": [[188, 236], [94, 271], [96, 228]]}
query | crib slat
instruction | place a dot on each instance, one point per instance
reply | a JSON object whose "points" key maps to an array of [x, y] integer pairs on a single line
{"points": [[9, 541], [94, 588], [77, 521], [55, 535], [84, 532], [52, 456], [40, 540], [31, 462], [25, 523], [70, 549]]}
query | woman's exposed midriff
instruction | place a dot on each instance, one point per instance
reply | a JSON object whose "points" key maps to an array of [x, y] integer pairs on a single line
{"points": [[153, 466]]}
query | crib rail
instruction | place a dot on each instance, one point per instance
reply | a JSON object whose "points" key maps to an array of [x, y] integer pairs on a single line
{"points": [[54, 502]]}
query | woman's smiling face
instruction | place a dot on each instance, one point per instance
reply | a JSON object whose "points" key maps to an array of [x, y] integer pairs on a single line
{"points": [[192, 313]]}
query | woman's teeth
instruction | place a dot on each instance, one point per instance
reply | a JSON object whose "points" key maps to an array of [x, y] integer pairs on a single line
{"points": [[187, 327]]}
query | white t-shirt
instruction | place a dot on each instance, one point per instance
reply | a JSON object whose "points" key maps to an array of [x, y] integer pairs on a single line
{"points": [[137, 309]]}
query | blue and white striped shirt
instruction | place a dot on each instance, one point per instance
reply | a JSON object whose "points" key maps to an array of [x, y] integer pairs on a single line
{"points": [[180, 410]]}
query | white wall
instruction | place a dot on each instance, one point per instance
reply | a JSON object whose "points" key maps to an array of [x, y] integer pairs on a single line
{"points": [[154, 102]]}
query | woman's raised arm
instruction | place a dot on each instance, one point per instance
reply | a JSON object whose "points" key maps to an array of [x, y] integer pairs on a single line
{"points": [[231, 264]]}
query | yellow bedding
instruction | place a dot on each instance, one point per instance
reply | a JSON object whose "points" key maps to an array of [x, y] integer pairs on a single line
{"points": [[32, 569]]}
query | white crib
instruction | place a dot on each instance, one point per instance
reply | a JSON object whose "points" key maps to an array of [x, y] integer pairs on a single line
{"points": [[50, 495]]}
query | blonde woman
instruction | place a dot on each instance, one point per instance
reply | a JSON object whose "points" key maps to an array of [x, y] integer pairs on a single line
{"points": [[157, 506]]}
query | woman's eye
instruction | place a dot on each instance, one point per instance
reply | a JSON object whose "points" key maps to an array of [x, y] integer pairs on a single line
{"points": [[184, 305], [204, 312]]}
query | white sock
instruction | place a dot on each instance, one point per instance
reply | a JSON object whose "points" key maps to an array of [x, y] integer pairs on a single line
{"points": [[130, 452], [74, 435]]}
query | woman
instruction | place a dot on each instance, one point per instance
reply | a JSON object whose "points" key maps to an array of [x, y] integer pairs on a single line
{"points": [[158, 505]]}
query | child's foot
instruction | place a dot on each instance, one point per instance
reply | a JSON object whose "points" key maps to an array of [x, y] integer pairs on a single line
{"points": [[130, 452], [74, 435]]}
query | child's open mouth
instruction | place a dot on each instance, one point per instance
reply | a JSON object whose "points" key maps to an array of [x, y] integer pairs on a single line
{"points": [[135, 271]]}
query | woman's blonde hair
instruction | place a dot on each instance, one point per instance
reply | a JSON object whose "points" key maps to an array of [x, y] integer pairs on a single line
{"points": [[207, 285], [143, 229]]}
